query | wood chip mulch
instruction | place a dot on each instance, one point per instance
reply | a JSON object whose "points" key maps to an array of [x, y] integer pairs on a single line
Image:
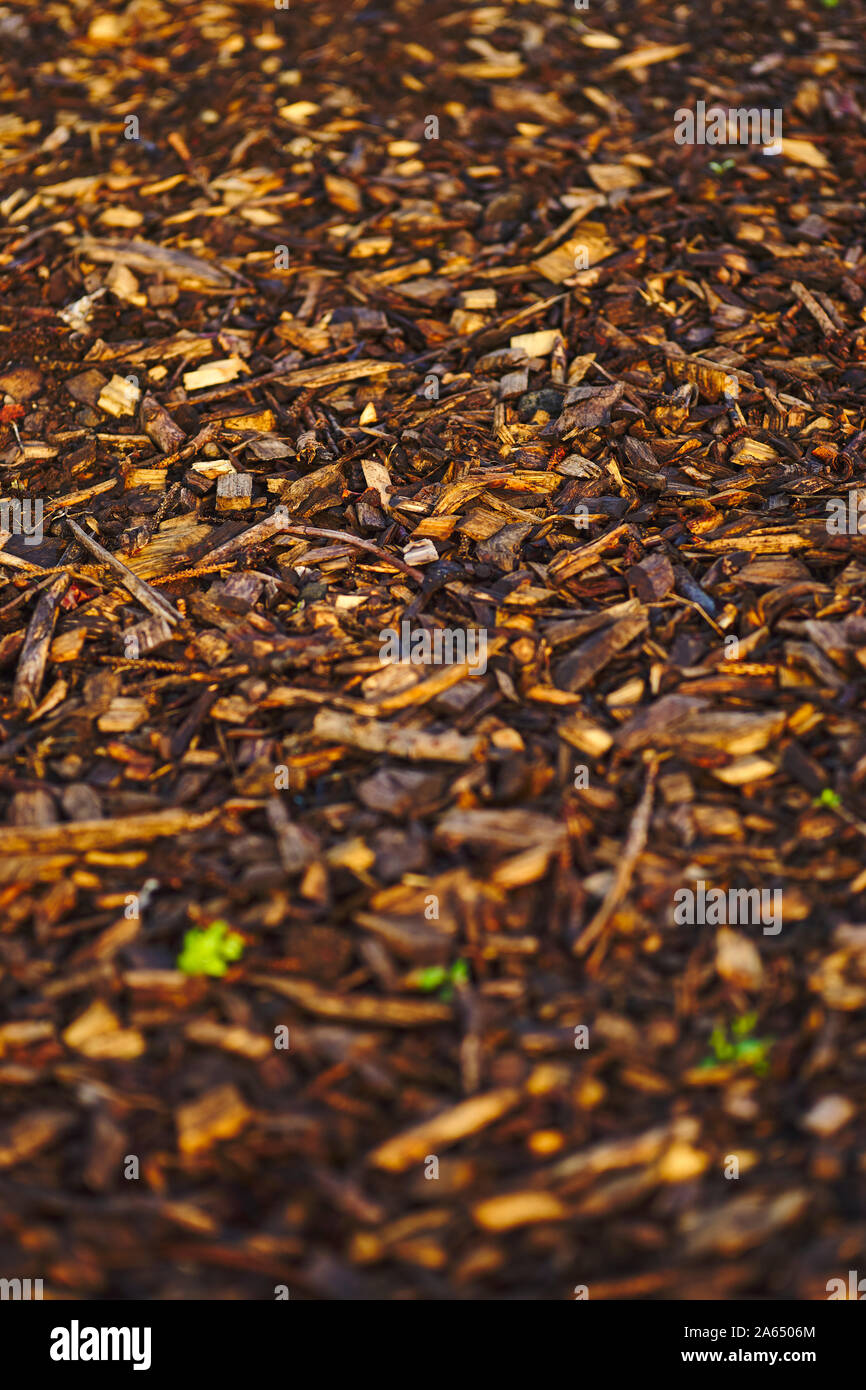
{"points": [[323, 323]]}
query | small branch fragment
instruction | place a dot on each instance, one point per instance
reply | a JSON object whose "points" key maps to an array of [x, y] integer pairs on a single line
{"points": [[634, 847], [809, 302], [149, 598], [34, 654]]}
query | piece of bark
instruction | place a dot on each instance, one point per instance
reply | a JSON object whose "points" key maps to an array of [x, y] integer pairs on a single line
{"points": [[241, 1041], [609, 1155], [590, 245], [587, 407], [414, 939], [357, 1008], [375, 736], [34, 808], [219, 1114], [656, 721], [513, 384], [568, 563], [159, 426], [101, 834], [191, 272], [125, 714], [87, 386], [298, 845], [33, 1132], [580, 667], [652, 578], [506, 830], [713, 381], [149, 598], [34, 653], [146, 636], [738, 960], [21, 383], [398, 790], [80, 802], [445, 1129], [810, 303], [97, 1033], [234, 492], [119, 397], [512, 1209], [742, 1223], [108, 1146]]}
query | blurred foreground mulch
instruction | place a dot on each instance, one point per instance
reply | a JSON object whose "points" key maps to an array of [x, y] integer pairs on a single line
{"points": [[324, 321]]}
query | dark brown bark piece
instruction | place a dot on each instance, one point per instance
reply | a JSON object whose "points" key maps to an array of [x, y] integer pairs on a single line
{"points": [[652, 578], [581, 666], [34, 653]]}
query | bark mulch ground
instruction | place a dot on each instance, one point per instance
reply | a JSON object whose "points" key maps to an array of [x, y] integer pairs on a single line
{"points": [[329, 322]]}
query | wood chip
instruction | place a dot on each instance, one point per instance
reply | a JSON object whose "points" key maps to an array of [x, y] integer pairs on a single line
{"points": [[219, 1114]]}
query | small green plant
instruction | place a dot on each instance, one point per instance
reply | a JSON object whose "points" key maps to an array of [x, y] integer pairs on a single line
{"points": [[828, 798], [829, 4], [721, 166], [208, 950], [740, 1047], [441, 978]]}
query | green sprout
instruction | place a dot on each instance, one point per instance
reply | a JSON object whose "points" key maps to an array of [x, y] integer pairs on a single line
{"points": [[437, 977], [828, 798], [208, 951], [721, 166], [740, 1047], [829, 4]]}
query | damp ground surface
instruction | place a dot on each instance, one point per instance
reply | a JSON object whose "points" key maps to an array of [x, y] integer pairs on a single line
{"points": [[538, 965]]}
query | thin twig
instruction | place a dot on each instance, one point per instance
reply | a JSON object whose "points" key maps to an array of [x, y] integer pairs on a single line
{"points": [[154, 602], [810, 303], [632, 850], [274, 526]]}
